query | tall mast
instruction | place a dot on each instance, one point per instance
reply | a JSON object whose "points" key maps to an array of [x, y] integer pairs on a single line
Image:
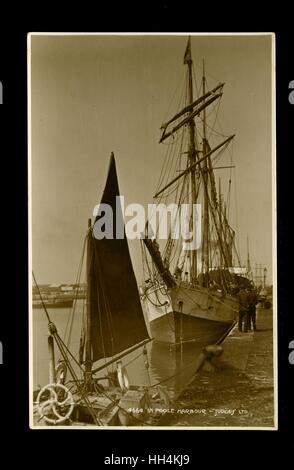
{"points": [[220, 219], [88, 348], [227, 238], [248, 258], [205, 249], [191, 151]]}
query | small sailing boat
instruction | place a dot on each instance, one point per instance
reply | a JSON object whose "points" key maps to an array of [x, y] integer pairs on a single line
{"points": [[113, 327], [190, 294]]}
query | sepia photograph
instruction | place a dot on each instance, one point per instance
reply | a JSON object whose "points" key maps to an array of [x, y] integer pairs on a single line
{"points": [[152, 231]]}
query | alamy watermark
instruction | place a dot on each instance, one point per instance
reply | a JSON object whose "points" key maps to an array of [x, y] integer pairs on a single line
{"points": [[178, 221], [291, 94], [291, 355]]}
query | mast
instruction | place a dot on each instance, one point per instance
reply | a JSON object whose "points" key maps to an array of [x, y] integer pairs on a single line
{"points": [[228, 237], [248, 258], [205, 250], [220, 219], [264, 277], [88, 349], [191, 152], [193, 166]]}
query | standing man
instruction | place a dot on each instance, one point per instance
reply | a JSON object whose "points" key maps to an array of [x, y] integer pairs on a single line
{"points": [[243, 309]]}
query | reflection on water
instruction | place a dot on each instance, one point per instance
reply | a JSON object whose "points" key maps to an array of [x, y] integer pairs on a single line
{"points": [[170, 367], [173, 366]]}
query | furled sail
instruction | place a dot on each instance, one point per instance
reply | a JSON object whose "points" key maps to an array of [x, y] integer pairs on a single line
{"points": [[115, 316]]}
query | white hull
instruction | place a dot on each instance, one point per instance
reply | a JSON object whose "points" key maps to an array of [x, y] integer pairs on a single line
{"points": [[187, 313]]}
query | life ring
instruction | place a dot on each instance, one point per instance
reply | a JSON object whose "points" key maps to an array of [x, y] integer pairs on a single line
{"points": [[122, 377], [61, 369]]}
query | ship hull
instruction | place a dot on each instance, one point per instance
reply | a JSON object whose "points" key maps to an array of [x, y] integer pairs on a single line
{"points": [[185, 314]]}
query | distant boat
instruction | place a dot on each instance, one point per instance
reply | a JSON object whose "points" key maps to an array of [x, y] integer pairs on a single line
{"points": [[53, 303], [190, 295]]}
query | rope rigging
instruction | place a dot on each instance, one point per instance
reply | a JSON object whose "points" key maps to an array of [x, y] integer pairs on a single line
{"points": [[71, 316], [169, 252]]}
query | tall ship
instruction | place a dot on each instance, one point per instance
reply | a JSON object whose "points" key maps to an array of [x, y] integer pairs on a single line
{"points": [[190, 288]]}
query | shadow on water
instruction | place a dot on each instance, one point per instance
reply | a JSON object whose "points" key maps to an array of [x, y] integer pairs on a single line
{"points": [[168, 366]]}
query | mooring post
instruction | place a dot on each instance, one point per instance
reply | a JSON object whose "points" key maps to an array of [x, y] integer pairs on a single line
{"points": [[52, 373], [205, 357]]}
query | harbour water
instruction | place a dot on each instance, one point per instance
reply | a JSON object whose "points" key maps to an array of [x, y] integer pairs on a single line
{"points": [[239, 393], [172, 368]]}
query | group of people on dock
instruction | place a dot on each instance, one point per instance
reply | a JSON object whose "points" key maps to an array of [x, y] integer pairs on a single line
{"points": [[248, 300]]}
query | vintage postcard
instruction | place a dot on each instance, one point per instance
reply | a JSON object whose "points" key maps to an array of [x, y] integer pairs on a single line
{"points": [[152, 231]]}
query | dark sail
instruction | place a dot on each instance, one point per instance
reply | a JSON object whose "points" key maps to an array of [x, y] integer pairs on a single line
{"points": [[115, 315]]}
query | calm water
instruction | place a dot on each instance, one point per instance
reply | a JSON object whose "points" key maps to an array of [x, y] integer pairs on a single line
{"points": [[163, 362]]}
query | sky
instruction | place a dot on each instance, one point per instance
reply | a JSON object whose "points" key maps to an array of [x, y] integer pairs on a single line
{"points": [[91, 95]]}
